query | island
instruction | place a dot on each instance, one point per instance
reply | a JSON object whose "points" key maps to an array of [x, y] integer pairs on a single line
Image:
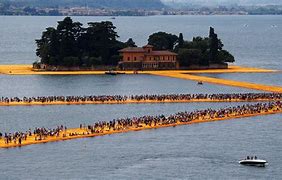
{"points": [[72, 47]]}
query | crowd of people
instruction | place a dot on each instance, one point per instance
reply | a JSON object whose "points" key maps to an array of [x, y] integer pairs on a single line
{"points": [[160, 97], [38, 133], [182, 117], [144, 121]]}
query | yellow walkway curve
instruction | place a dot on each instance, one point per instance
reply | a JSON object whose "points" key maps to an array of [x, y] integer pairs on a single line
{"points": [[262, 87], [84, 132]]}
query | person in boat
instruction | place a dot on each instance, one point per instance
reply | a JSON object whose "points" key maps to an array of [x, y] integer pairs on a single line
{"points": [[248, 157]]}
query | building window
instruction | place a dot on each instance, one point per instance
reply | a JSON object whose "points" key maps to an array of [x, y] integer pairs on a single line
{"points": [[128, 58], [134, 58]]}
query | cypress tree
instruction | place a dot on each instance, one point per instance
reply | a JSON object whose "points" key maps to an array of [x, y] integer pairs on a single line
{"points": [[213, 46], [180, 40]]}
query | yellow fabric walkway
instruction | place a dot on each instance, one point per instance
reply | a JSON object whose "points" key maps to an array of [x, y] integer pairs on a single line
{"points": [[84, 133], [182, 74]]}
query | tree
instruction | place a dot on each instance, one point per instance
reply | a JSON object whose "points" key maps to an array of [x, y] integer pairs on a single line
{"points": [[197, 43], [47, 47], [210, 49], [225, 56], [163, 41], [92, 61], [70, 61], [201, 45], [56, 46], [115, 56], [68, 33], [215, 46], [101, 39], [95, 45], [180, 41], [130, 43], [189, 57]]}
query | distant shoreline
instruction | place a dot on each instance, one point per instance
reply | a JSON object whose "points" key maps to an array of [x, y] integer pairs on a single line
{"points": [[141, 15]]}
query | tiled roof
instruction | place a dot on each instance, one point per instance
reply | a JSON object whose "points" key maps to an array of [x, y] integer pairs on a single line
{"points": [[132, 49], [161, 53], [142, 50], [148, 46]]}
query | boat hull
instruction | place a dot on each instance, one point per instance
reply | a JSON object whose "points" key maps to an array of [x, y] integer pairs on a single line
{"points": [[260, 163]]}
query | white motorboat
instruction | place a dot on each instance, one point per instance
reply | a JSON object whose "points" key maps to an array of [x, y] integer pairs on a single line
{"points": [[253, 162]]}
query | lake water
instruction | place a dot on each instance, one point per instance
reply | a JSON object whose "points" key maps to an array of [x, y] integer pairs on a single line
{"points": [[274, 79], [200, 151], [104, 85]]}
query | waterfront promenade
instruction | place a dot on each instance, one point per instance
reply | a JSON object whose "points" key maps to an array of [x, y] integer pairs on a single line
{"points": [[43, 135]]}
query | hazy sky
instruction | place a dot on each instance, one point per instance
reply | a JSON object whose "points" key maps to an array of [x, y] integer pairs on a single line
{"points": [[222, 2]]}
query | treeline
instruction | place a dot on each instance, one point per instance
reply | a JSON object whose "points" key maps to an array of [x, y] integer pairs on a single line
{"points": [[201, 51], [72, 45]]}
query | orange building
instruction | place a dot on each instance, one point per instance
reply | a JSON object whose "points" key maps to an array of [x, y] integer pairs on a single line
{"points": [[145, 58]]}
